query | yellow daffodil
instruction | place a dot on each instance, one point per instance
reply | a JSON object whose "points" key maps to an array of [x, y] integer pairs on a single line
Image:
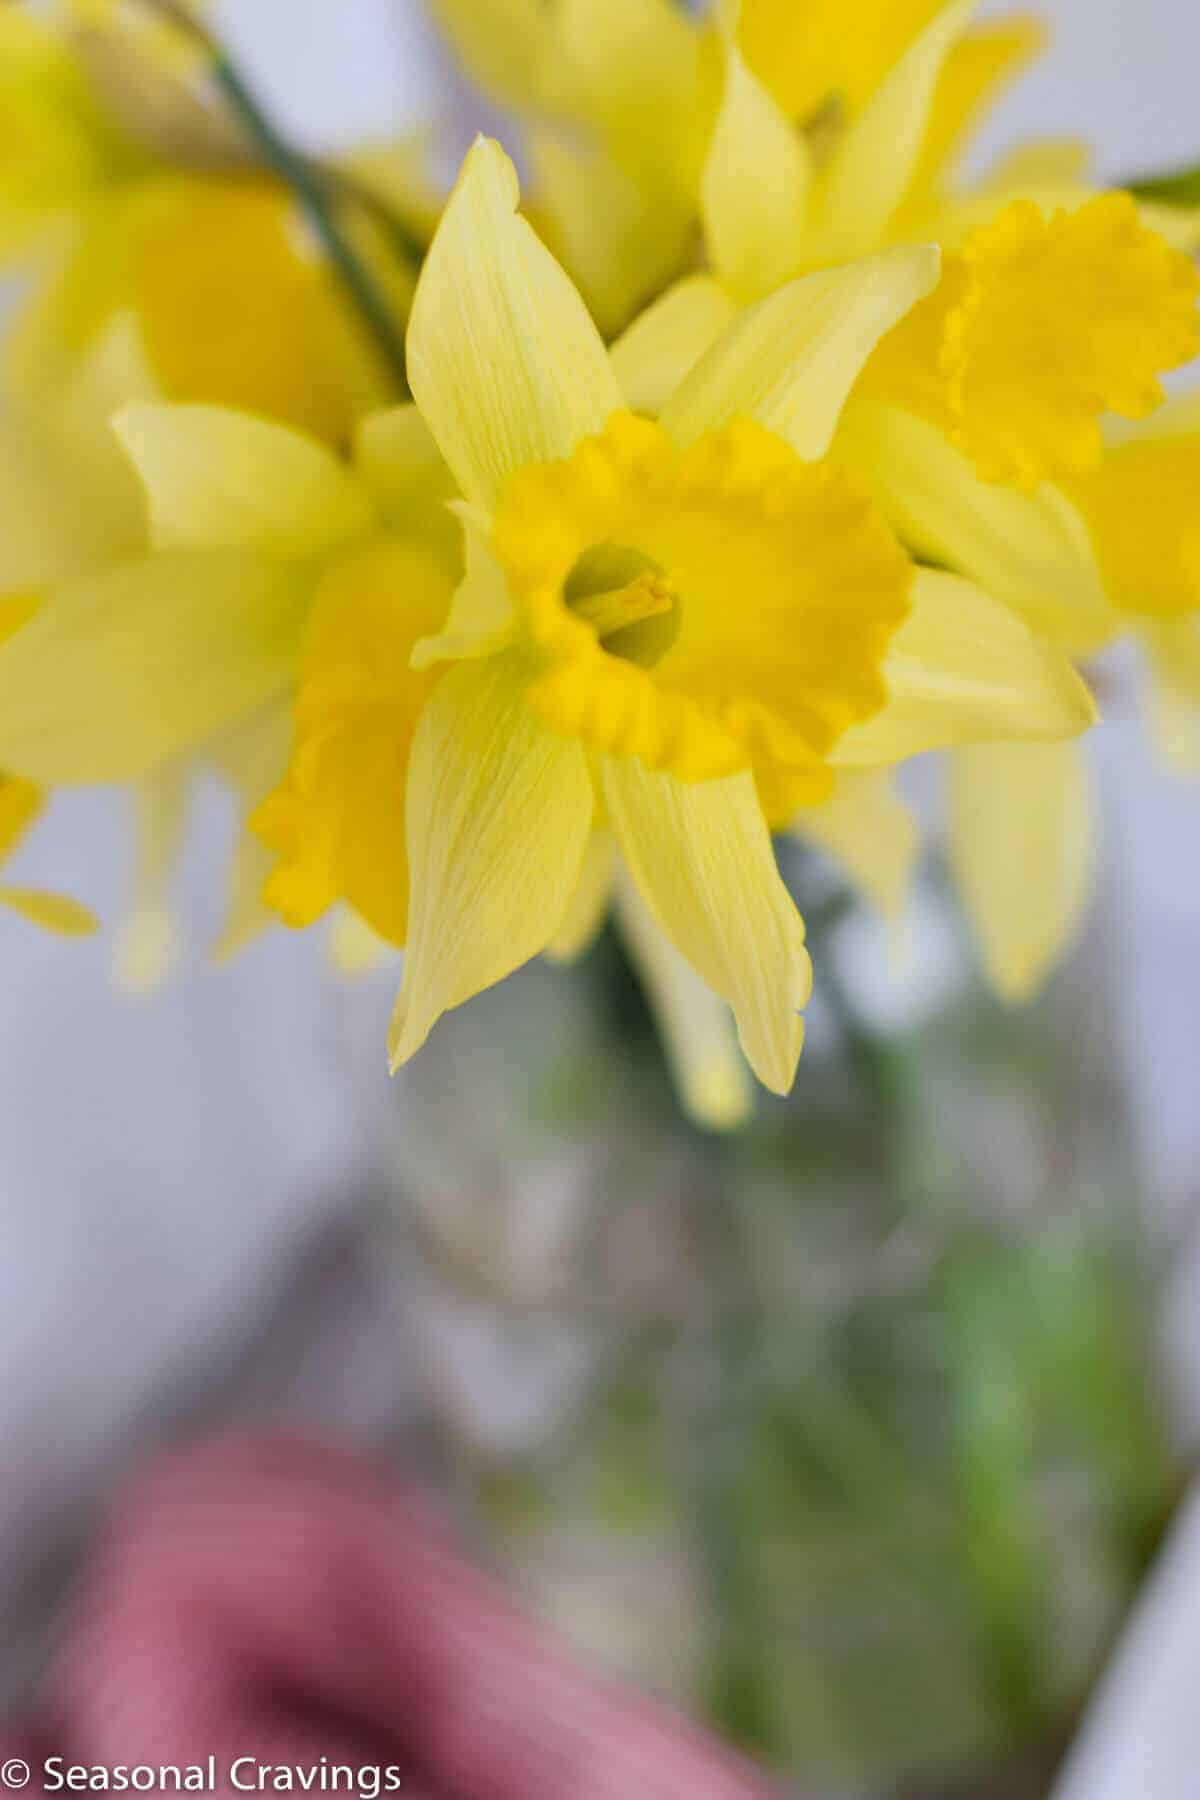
{"points": [[675, 630], [1111, 549], [867, 109], [616, 99], [583, 628], [1010, 357], [1139, 504], [234, 303], [1054, 309], [1140, 508], [196, 283], [1023, 814], [191, 652]]}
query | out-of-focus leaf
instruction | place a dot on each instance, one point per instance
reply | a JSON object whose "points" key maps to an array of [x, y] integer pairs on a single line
{"points": [[1173, 187]]}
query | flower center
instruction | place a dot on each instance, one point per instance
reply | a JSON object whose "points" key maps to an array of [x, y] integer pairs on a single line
{"points": [[708, 609], [629, 603]]}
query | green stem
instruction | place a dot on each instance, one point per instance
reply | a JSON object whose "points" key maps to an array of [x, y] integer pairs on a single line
{"points": [[306, 183], [1172, 187]]}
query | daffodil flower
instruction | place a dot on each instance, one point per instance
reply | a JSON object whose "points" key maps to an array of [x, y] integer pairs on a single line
{"points": [[675, 629], [234, 304], [1012, 357], [1055, 307], [616, 100], [1139, 505], [866, 110], [1123, 540], [189, 654], [1113, 549], [639, 118], [153, 281]]}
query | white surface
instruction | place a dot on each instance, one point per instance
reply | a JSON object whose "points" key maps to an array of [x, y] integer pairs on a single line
{"points": [[154, 1156], [1120, 73], [336, 70], [1141, 1740], [157, 1158]]}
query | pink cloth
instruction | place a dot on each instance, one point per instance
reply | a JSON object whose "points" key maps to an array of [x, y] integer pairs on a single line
{"points": [[274, 1600]]}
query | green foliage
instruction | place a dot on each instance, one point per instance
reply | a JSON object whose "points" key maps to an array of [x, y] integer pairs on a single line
{"points": [[1173, 187]]}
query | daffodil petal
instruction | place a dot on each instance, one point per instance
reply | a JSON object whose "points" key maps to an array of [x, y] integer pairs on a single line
{"points": [[963, 669], [1022, 849], [874, 166], [69, 501], [869, 831], [1140, 504], [635, 73], [1041, 162], [500, 45], [791, 360], [57, 140], [354, 949], [697, 1027], [226, 480], [755, 188], [978, 65], [651, 358], [337, 817], [503, 360], [41, 541], [251, 756], [239, 307], [53, 912], [621, 239], [1032, 551], [1179, 226], [20, 804], [16, 610], [585, 913], [251, 760], [118, 673], [401, 467], [499, 815], [482, 618], [148, 940], [702, 860], [247, 915], [822, 54], [1173, 652]]}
